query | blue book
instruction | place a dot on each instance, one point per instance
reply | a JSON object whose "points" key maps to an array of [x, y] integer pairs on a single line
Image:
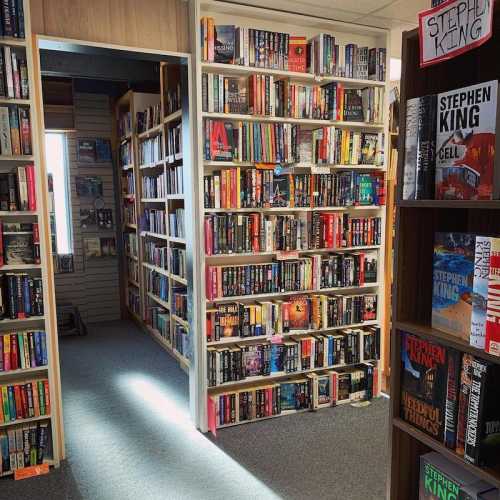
{"points": [[43, 341], [12, 403], [288, 396], [26, 295], [38, 348], [4, 452], [277, 357]]}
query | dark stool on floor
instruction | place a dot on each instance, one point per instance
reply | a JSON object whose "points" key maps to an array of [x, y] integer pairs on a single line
{"points": [[69, 321]]}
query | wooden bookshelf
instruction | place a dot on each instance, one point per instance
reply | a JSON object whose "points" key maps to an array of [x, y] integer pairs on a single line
{"points": [[417, 221], [138, 102], [47, 322], [226, 13]]}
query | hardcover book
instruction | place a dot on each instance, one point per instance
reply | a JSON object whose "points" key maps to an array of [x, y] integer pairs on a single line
{"points": [[465, 142], [453, 273], [424, 370], [297, 54]]}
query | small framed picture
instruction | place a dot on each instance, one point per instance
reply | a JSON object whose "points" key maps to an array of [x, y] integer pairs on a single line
{"points": [[86, 150]]}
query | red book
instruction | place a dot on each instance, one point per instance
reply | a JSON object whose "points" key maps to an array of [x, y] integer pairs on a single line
{"points": [[234, 190], [209, 285], [30, 181], [227, 410], [19, 403], [24, 401], [208, 236], [14, 355], [223, 181], [25, 131], [297, 51], [493, 306], [255, 228], [362, 269]]}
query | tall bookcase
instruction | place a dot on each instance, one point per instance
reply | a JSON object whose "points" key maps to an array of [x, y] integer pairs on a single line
{"points": [[225, 13], [47, 322], [144, 304], [417, 221]]}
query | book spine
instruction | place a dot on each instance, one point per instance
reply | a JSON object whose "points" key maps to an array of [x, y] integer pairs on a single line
{"points": [[30, 181], [5, 140], [492, 341], [451, 405], [410, 158]]}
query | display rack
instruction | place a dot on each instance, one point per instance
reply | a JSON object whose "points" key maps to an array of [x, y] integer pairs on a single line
{"points": [[417, 221], [55, 448], [226, 13]]}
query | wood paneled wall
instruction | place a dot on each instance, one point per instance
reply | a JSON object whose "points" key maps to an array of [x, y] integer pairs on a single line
{"points": [[152, 24]]}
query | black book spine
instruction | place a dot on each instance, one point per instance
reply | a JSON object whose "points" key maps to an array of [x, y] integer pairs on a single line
{"points": [[451, 406], [20, 18], [426, 147]]}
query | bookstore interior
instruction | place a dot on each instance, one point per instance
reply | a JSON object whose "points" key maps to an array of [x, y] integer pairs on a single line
{"points": [[218, 213]]}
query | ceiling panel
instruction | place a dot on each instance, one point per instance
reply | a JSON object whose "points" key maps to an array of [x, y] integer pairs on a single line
{"points": [[402, 10]]}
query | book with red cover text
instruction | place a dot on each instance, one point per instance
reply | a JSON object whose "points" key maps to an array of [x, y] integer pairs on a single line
{"points": [[493, 306], [297, 54]]}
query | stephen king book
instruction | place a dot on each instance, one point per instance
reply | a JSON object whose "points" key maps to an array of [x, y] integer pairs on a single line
{"points": [[423, 384], [224, 44], [465, 142], [493, 306], [480, 291], [299, 313], [453, 273], [297, 53]]}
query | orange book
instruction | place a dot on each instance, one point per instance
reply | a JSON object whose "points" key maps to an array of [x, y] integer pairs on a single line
{"points": [[210, 40], [229, 174], [223, 189], [299, 313], [19, 402], [36, 399]]}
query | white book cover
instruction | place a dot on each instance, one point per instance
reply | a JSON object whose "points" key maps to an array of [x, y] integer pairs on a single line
{"points": [[410, 161], [9, 77], [465, 142], [5, 142], [480, 291]]}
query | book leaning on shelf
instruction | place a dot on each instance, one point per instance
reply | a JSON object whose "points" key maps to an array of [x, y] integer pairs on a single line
{"points": [[21, 296], [15, 131], [13, 74], [453, 397], [450, 145], [23, 446], [17, 189], [313, 313], [22, 350], [321, 55], [12, 16], [26, 400]]}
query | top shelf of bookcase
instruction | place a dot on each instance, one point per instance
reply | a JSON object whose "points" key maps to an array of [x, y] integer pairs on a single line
{"points": [[236, 69]]}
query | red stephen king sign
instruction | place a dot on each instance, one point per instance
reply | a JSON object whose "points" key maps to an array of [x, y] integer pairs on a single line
{"points": [[452, 28]]}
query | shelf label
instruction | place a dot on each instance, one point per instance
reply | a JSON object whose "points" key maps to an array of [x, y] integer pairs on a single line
{"points": [[452, 28], [32, 471], [317, 169], [292, 254]]}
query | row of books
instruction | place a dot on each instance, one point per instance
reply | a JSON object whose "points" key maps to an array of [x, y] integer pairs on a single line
{"points": [[125, 124], [19, 243], [151, 151], [130, 244], [154, 221], [149, 118], [21, 296], [467, 265], [301, 274], [159, 319], [453, 397], [129, 213], [156, 253], [126, 154], [310, 392], [154, 186], [296, 354], [21, 350], [157, 284], [13, 74], [301, 313], [254, 142], [12, 15], [180, 302], [176, 225], [128, 183], [17, 189], [26, 400], [262, 95], [258, 232], [177, 261], [180, 339], [450, 145], [23, 446], [175, 180], [263, 188], [15, 130], [174, 143], [229, 44], [334, 146], [134, 300]]}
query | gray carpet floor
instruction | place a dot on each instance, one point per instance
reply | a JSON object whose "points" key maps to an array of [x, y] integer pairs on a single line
{"points": [[128, 436]]}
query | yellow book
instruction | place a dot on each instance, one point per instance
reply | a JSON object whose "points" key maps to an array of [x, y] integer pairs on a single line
{"points": [[6, 352], [258, 318]]}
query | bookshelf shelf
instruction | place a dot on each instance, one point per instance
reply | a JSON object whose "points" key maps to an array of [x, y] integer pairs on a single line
{"points": [[22, 372], [128, 167], [159, 270], [286, 294], [296, 209], [127, 225], [174, 197], [23, 213], [181, 321], [162, 302], [158, 129], [299, 121], [11, 322], [235, 69], [133, 282], [14, 42], [292, 333], [146, 234], [153, 200], [19, 267], [173, 239], [26, 158], [176, 115], [22, 102], [157, 164], [24, 421], [179, 279]]}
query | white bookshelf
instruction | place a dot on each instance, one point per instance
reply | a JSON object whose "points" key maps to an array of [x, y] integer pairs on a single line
{"points": [[226, 13]]}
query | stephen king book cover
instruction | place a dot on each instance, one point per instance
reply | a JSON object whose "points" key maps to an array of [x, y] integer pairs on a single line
{"points": [[423, 384], [465, 145]]}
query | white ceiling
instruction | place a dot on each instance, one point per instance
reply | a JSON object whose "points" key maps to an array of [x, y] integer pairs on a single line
{"points": [[400, 14]]}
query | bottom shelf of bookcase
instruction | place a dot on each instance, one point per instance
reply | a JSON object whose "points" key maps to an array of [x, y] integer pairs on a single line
{"points": [[183, 361], [48, 461], [491, 475]]}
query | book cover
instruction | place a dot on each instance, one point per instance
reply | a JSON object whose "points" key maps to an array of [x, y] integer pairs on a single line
{"points": [[452, 395], [224, 44], [353, 106], [465, 142], [297, 54], [235, 98], [252, 361], [221, 141], [281, 190], [298, 315], [423, 384], [288, 396], [480, 291], [368, 148], [410, 158], [453, 273], [18, 248], [492, 341]]}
